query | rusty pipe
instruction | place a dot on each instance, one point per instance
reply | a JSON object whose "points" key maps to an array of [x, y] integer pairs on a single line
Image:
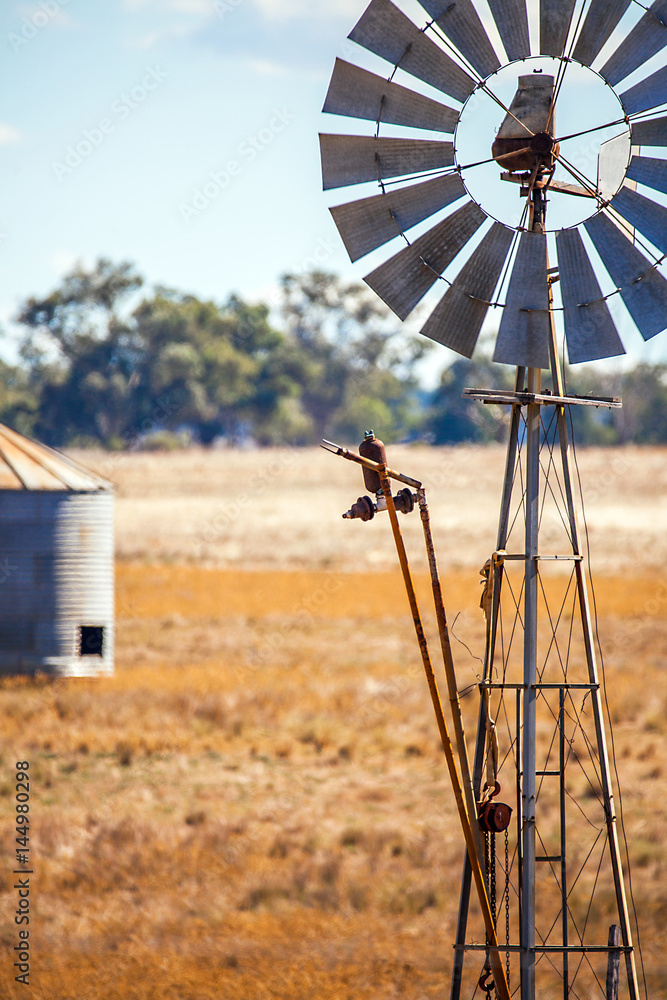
{"points": [[466, 821]]}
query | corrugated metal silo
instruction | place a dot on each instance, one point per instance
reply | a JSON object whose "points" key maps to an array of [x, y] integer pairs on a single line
{"points": [[56, 563]]}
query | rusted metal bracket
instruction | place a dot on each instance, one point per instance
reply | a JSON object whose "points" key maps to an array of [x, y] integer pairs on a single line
{"points": [[351, 456]]}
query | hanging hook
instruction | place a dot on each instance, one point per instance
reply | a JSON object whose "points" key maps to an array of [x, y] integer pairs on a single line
{"points": [[486, 982]]}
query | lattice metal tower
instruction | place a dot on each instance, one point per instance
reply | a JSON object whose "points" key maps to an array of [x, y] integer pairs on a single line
{"points": [[554, 873]]}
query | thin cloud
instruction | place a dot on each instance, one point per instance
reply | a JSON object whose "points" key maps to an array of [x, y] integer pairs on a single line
{"points": [[178, 6], [280, 36], [284, 10], [9, 136]]}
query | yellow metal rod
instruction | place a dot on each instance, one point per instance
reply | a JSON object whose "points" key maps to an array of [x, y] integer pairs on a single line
{"points": [[368, 463], [475, 860], [450, 673]]}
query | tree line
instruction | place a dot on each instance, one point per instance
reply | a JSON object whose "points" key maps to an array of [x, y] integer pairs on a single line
{"points": [[173, 368]]}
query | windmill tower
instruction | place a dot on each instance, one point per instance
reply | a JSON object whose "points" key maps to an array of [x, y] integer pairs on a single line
{"points": [[558, 278]]}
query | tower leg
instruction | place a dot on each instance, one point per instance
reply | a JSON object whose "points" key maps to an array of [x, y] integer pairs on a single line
{"points": [[492, 628], [589, 646], [528, 785]]}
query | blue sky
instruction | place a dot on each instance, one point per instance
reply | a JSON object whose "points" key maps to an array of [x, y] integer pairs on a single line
{"points": [[159, 95], [177, 134]]}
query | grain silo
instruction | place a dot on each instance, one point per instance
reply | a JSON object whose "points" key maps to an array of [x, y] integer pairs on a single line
{"points": [[56, 563]]}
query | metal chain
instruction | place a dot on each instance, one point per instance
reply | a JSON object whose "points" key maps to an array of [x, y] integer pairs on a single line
{"points": [[492, 858], [507, 905]]}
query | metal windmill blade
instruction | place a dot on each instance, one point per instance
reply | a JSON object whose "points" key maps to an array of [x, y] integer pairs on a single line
{"points": [[368, 223], [601, 19], [589, 329], [523, 337], [649, 218], [356, 93], [461, 24], [647, 37], [457, 320], [355, 159], [647, 94], [511, 17], [555, 21], [642, 288], [386, 31], [649, 171], [650, 133], [404, 279]]}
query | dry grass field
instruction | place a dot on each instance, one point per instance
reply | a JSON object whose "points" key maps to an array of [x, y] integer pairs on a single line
{"points": [[256, 806]]}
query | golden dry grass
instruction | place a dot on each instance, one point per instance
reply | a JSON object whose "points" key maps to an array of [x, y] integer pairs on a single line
{"points": [[256, 806], [281, 508]]}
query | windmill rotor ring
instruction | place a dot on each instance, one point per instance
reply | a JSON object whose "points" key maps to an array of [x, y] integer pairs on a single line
{"points": [[413, 153]]}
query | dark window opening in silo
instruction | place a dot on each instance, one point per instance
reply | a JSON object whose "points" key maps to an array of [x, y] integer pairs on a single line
{"points": [[91, 640]]}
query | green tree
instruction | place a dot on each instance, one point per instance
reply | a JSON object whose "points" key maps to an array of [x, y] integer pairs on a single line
{"points": [[19, 400], [174, 361], [452, 419], [644, 414], [354, 367], [81, 354]]}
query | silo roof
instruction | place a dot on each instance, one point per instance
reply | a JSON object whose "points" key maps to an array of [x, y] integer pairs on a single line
{"points": [[27, 465]]}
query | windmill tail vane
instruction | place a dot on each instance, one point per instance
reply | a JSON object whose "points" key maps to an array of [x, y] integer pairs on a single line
{"points": [[515, 249]]}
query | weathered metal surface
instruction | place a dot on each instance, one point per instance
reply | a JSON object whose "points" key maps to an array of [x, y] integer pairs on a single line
{"points": [[642, 288], [649, 218], [38, 467], [523, 337], [351, 456], [574, 189], [589, 329], [530, 105], [386, 31], [32, 475], [613, 962], [647, 37], [507, 396], [650, 133], [472, 838], [511, 19], [8, 478], [523, 135], [458, 318], [56, 547], [404, 279], [650, 93], [58, 551], [355, 159], [366, 224], [356, 93], [647, 170], [613, 161], [555, 19], [601, 19], [460, 22]]}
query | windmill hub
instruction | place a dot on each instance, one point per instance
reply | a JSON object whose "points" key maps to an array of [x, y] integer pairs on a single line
{"points": [[542, 143]]}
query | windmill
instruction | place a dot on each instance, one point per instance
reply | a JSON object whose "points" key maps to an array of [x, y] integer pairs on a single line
{"points": [[541, 873]]}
